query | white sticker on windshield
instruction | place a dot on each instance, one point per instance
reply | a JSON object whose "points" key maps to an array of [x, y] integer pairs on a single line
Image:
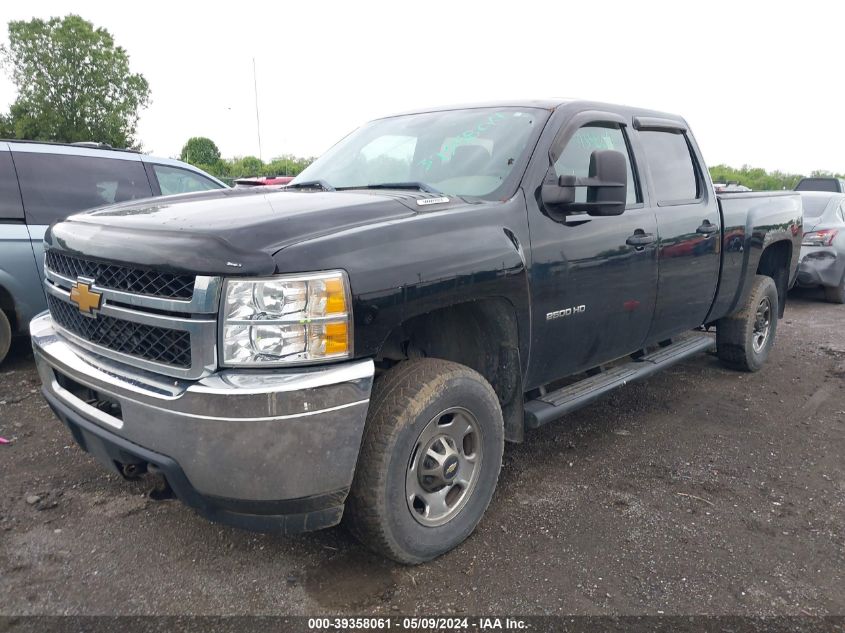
{"points": [[425, 201]]}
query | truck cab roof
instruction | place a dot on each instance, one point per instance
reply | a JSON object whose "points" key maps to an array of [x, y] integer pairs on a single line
{"points": [[545, 104]]}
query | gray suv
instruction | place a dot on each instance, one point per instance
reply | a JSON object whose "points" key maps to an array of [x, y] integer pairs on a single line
{"points": [[44, 182]]}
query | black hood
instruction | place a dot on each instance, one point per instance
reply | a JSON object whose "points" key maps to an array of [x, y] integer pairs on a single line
{"points": [[228, 231]]}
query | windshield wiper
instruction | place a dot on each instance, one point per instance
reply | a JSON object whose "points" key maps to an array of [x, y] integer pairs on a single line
{"points": [[410, 184], [312, 184]]}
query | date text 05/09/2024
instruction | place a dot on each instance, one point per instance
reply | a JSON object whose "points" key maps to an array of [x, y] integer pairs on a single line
{"points": [[417, 623]]}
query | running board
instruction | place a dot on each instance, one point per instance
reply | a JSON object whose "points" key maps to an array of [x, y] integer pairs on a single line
{"points": [[555, 404]]}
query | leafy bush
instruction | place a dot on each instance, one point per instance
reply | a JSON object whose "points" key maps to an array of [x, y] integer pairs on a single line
{"points": [[759, 179]]}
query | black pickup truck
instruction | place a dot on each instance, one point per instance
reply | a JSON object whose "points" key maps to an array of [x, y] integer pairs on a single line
{"points": [[362, 342]]}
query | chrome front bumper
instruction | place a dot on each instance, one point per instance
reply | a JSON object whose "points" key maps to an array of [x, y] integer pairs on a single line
{"points": [[255, 436]]}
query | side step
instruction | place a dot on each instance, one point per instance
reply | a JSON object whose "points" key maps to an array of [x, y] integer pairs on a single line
{"points": [[555, 404]]}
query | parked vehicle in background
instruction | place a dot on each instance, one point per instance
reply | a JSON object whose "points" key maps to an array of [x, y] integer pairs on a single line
{"points": [[264, 180], [365, 339], [729, 187], [833, 185], [41, 183], [823, 247]]}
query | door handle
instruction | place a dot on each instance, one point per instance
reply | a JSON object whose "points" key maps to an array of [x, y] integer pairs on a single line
{"points": [[640, 238], [707, 228]]}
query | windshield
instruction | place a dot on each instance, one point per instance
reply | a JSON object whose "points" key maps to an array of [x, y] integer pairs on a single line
{"points": [[475, 152], [814, 206]]}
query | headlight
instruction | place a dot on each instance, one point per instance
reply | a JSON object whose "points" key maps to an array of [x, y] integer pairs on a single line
{"points": [[286, 319]]}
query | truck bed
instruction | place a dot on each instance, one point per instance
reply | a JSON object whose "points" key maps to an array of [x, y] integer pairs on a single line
{"points": [[750, 221]]}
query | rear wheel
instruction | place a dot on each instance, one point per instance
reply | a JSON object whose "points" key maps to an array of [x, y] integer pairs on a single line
{"points": [[5, 335], [835, 294], [745, 338], [429, 460]]}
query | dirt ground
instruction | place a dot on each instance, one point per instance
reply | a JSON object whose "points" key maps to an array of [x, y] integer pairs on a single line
{"points": [[699, 491]]}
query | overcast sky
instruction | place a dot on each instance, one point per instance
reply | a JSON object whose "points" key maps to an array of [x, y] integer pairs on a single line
{"points": [[759, 82]]}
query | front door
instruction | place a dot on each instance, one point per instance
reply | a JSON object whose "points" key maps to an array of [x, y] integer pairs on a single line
{"points": [[593, 279]]}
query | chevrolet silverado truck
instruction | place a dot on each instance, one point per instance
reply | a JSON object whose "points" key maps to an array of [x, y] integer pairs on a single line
{"points": [[362, 343]]}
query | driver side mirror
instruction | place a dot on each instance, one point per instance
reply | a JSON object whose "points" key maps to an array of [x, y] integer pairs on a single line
{"points": [[607, 186]]}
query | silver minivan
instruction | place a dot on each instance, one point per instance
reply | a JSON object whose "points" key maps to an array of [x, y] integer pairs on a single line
{"points": [[41, 183]]}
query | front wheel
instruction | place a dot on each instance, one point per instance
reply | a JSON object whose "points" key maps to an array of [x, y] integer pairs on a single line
{"points": [[745, 338], [429, 461]]}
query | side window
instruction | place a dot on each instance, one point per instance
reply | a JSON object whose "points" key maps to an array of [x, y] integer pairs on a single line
{"points": [[55, 186], [574, 160], [10, 195], [177, 180], [671, 165]]}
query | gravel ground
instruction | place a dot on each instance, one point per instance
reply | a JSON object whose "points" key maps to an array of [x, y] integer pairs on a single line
{"points": [[699, 491]]}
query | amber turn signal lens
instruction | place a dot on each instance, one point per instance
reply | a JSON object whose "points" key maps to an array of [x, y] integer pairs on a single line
{"points": [[335, 296], [337, 338]]}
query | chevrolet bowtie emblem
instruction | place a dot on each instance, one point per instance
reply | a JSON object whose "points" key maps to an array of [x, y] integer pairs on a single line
{"points": [[85, 299]]}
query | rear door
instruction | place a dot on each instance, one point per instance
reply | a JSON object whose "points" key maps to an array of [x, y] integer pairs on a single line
{"points": [[688, 227], [20, 287], [58, 181], [593, 279]]}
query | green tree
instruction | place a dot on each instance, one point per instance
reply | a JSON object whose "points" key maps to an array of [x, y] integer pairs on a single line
{"points": [[754, 177], [7, 128], [286, 165], [73, 82], [220, 169], [246, 167], [200, 150]]}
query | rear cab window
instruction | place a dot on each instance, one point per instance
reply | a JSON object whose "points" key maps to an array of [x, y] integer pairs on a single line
{"points": [[54, 186], [173, 180], [820, 184], [674, 174]]}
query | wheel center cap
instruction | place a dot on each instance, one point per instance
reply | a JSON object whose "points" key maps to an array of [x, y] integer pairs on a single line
{"points": [[450, 468]]}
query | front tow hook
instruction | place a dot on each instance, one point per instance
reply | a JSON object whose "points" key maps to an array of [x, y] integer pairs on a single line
{"points": [[161, 490]]}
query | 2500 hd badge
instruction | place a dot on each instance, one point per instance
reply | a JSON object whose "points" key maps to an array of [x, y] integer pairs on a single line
{"points": [[550, 316]]}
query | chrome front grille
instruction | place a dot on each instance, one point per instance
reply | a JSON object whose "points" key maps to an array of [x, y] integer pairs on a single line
{"points": [[142, 281], [158, 332]]}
